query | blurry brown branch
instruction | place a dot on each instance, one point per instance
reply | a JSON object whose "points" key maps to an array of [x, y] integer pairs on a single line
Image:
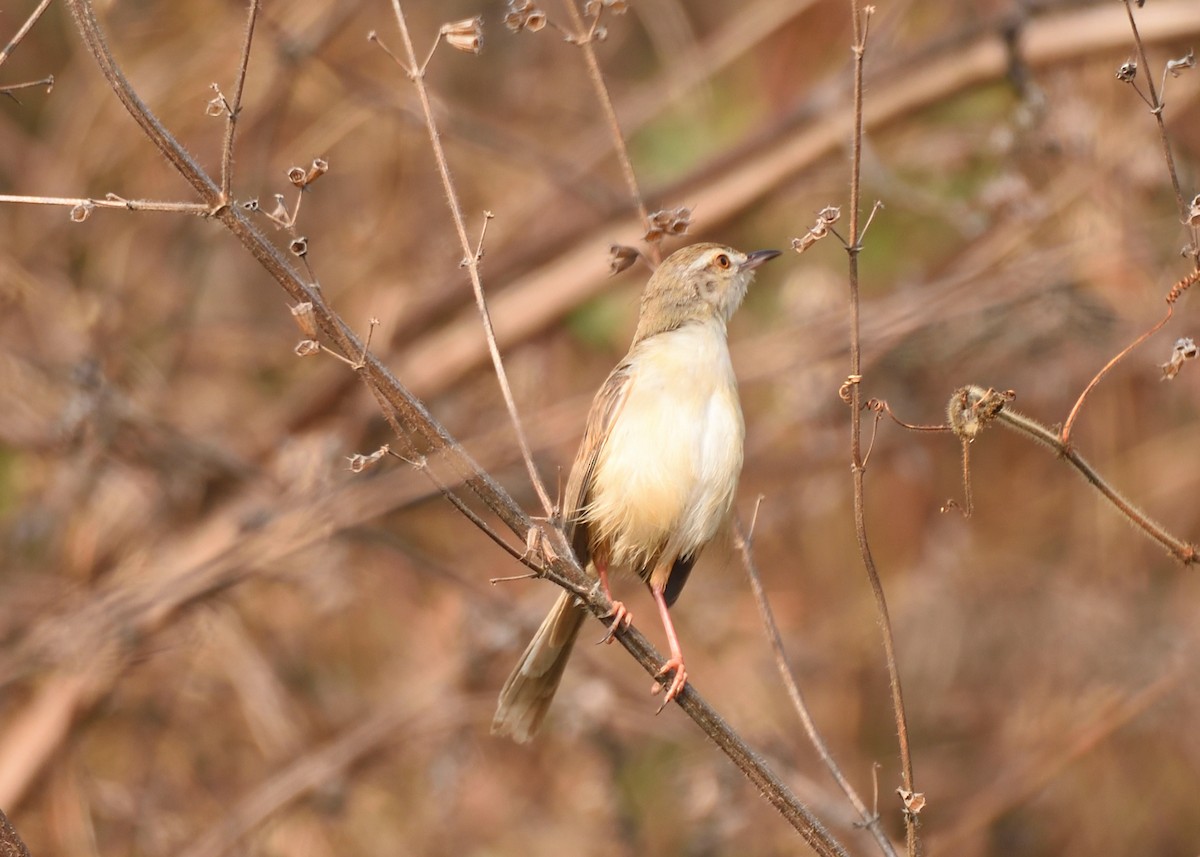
{"points": [[23, 30], [584, 37], [11, 844], [870, 818], [471, 254], [972, 408], [422, 429], [862, 19], [578, 271]]}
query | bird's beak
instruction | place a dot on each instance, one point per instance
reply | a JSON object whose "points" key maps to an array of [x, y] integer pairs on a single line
{"points": [[753, 260]]}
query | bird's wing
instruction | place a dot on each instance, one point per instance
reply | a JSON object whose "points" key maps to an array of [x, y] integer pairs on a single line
{"points": [[605, 408]]}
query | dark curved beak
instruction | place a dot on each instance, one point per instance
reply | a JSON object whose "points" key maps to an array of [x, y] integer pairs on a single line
{"points": [[753, 260]]}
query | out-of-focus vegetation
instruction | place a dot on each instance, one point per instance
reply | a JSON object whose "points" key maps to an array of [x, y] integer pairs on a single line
{"points": [[216, 639]]}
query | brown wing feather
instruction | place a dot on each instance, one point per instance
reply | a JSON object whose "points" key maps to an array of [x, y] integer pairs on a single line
{"points": [[605, 408]]}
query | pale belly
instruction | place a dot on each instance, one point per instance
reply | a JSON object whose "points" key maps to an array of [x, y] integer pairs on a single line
{"points": [[668, 473]]}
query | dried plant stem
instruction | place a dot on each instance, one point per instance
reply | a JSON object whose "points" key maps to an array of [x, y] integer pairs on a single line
{"points": [[470, 254], [583, 37], [1156, 107], [861, 19], [1066, 429], [112, 201], [870, 818], [1183, 551], [24, 30], [235, 107], [424, 430]]}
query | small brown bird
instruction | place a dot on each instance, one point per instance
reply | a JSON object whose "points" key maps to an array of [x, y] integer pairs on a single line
{"points": [[657, 469]]}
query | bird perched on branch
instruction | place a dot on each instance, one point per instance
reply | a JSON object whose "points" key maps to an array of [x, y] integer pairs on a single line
{"points": [[657, 469]]}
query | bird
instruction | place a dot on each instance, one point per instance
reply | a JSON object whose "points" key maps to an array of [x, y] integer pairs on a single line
{"points": [[656, 472]]}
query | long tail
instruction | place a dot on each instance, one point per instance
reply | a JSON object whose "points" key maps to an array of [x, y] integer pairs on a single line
{"points": [[527, 694]]}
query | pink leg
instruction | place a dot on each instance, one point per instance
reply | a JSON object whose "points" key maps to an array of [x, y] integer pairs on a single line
{"points": [[621, 618], [675, 662]]}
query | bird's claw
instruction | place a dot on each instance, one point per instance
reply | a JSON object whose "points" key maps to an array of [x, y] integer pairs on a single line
{"points": [[678, 681], [621, 619]]}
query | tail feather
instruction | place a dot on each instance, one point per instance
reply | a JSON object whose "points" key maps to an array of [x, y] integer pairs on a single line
{"points": [[527, 694]]}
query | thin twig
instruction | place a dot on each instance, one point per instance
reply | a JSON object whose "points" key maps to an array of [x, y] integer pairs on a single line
{"points": [[870, 818], [24, 30], [112, 201], [861, 21], [235, 107], [470, 254], [584, 38], [1066, 429], [1156, 107]]}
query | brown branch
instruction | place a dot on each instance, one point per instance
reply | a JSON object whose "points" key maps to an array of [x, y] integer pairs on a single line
{"points": [[870, 818], [23, 30], [861, 20], [234, 107], [976, 407], [584, 38], [471, 256]]}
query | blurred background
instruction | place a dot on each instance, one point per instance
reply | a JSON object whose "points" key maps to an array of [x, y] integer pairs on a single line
{"points": [[215, 639]]}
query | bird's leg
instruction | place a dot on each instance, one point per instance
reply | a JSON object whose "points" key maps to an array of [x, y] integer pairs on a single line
{"points": [[621, 617], [675, 662]]}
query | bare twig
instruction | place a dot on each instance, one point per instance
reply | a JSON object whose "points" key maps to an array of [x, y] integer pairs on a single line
{"points": [[870, 817], [235, 106], [23, 30], [861, 20], [1156, 107], [470, 254], [584, 37], [110, 201], [1066, 429]]}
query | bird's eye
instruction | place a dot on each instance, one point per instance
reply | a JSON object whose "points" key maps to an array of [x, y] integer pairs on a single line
{"points": [[723, 262]]}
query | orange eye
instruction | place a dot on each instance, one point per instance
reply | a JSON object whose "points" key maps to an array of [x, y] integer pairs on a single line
{"points": [[723, 262]]}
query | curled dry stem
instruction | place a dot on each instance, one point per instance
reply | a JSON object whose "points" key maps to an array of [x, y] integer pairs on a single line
{"points": [[972, 408]]}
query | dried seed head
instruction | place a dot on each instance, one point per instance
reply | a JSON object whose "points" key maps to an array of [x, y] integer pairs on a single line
{"points": [[972, 408], [673, 221], [826, 217], [1193, 218], [215, 107], [82, 212], [621, 257], [465, 35], [306, 347], [319, 167], [250, 205], [1184, 350], [360, 462], [305, 319], [1178, 66], [299, 246], [913, 802], [1127, 72], [296, 176], [524, 15]]}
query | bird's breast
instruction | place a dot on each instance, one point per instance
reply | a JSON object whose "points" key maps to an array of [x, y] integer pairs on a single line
{"points": [[668, 470]]}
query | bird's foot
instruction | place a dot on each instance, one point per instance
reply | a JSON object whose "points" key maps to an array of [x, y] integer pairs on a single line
{"points": [[621, 619], [675, 662]]}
